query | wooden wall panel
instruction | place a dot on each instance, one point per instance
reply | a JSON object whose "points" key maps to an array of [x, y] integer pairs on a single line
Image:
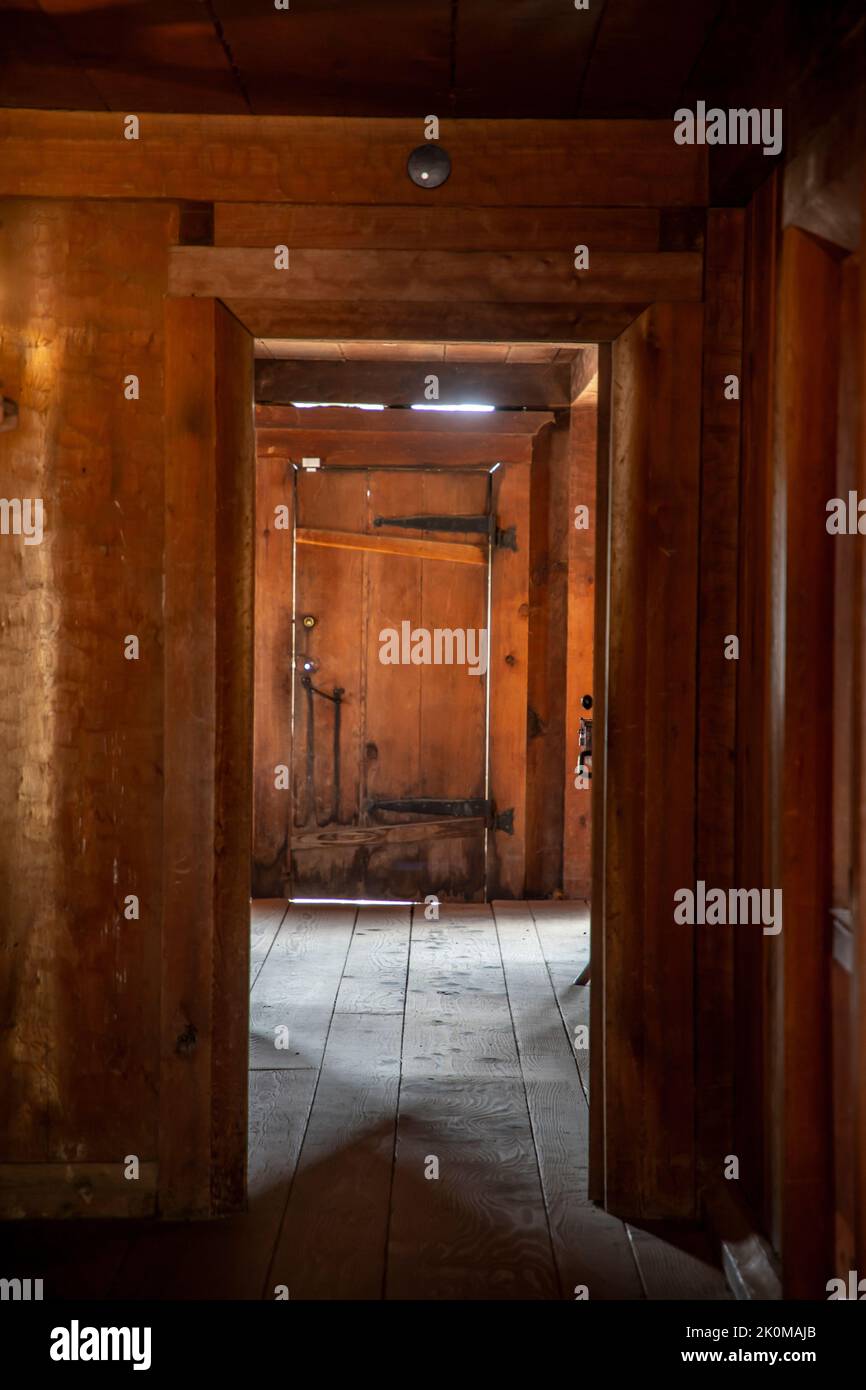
{"points": [[753, 801], [316, 160], [805, 462], [273, 676], [509, 670], [81, 727], [548, 650], [577, 803], [601, 638], [650, 746], [717, 677], [208, 758]]}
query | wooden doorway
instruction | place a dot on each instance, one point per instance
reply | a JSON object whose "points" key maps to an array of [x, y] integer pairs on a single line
{"points": [[391, 688]]}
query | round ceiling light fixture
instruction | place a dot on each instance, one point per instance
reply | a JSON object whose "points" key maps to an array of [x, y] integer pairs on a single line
{"points": [[429, 166]]}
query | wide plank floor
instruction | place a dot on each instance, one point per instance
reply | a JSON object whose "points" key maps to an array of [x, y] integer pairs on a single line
{"points": [[418, 1128]]}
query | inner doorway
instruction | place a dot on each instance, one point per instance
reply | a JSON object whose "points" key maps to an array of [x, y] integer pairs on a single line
{"points": [[391, 685]]}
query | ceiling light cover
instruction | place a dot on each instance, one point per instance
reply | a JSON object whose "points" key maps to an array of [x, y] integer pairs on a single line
{"points": [[429, 166]]}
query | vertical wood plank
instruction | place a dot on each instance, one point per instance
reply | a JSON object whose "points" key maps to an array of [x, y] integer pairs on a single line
{"points": [[717, 676], [599, 792], [805, 461], [273, 675], [506, 854], [548, 630], [577, 813], [208, 758], [754, 806], [649, 958]]}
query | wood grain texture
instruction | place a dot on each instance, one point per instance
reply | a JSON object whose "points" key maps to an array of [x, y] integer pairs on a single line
{"points": [[590, 1246], [612, 277], [272, 699], [436, 228], [547, 656], [315, 160], [754, 798], [808, 382], [601, 637], [577, 803], [80, 727], [717, 677], [394, 382], [208, 758], [445, 321], [453, 552], [509, 667], [298, 989], [653, 579]]}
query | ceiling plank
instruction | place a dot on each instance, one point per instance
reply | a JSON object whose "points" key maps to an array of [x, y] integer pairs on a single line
{"points": [[370, 58], [74, 154], [248, 272], [162, 56], [523, 57], [398, 383]]}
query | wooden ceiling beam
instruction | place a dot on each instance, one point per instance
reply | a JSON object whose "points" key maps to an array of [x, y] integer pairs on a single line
{"points": [[402, 422], [302, 159], [400, 383], [513, 277], [470, 321], [438, 228]]}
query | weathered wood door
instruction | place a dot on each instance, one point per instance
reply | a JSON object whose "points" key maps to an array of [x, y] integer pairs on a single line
{"points": [[390, 785]]}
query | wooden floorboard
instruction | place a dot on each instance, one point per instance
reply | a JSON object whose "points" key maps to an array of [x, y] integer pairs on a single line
{"points": [[299, 988], [591, 1247], [332, 1241], [473, 1226], [678, 1262], [374, 978], [266, 917]]}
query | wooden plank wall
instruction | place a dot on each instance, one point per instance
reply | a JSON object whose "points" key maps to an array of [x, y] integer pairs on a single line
{"points": [[580, 637], [81, 808], [650, 711]]}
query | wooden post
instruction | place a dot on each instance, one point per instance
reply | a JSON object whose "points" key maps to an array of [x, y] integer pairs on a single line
{"points": [[649, 750], [208, 759]]}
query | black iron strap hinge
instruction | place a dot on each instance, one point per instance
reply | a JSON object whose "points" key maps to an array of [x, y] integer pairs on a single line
{"points": [[447, 806], [479, 525]]}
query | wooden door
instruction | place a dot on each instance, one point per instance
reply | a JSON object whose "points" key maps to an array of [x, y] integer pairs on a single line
{"points": [[390, 776]]}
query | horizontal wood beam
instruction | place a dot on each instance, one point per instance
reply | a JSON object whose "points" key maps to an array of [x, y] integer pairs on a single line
{"points": [[458, 552], [538, 386], [410, 832], [274, 159], [464, 322], [351, 448], [438, 228], [402, 422], [513, 277]]}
